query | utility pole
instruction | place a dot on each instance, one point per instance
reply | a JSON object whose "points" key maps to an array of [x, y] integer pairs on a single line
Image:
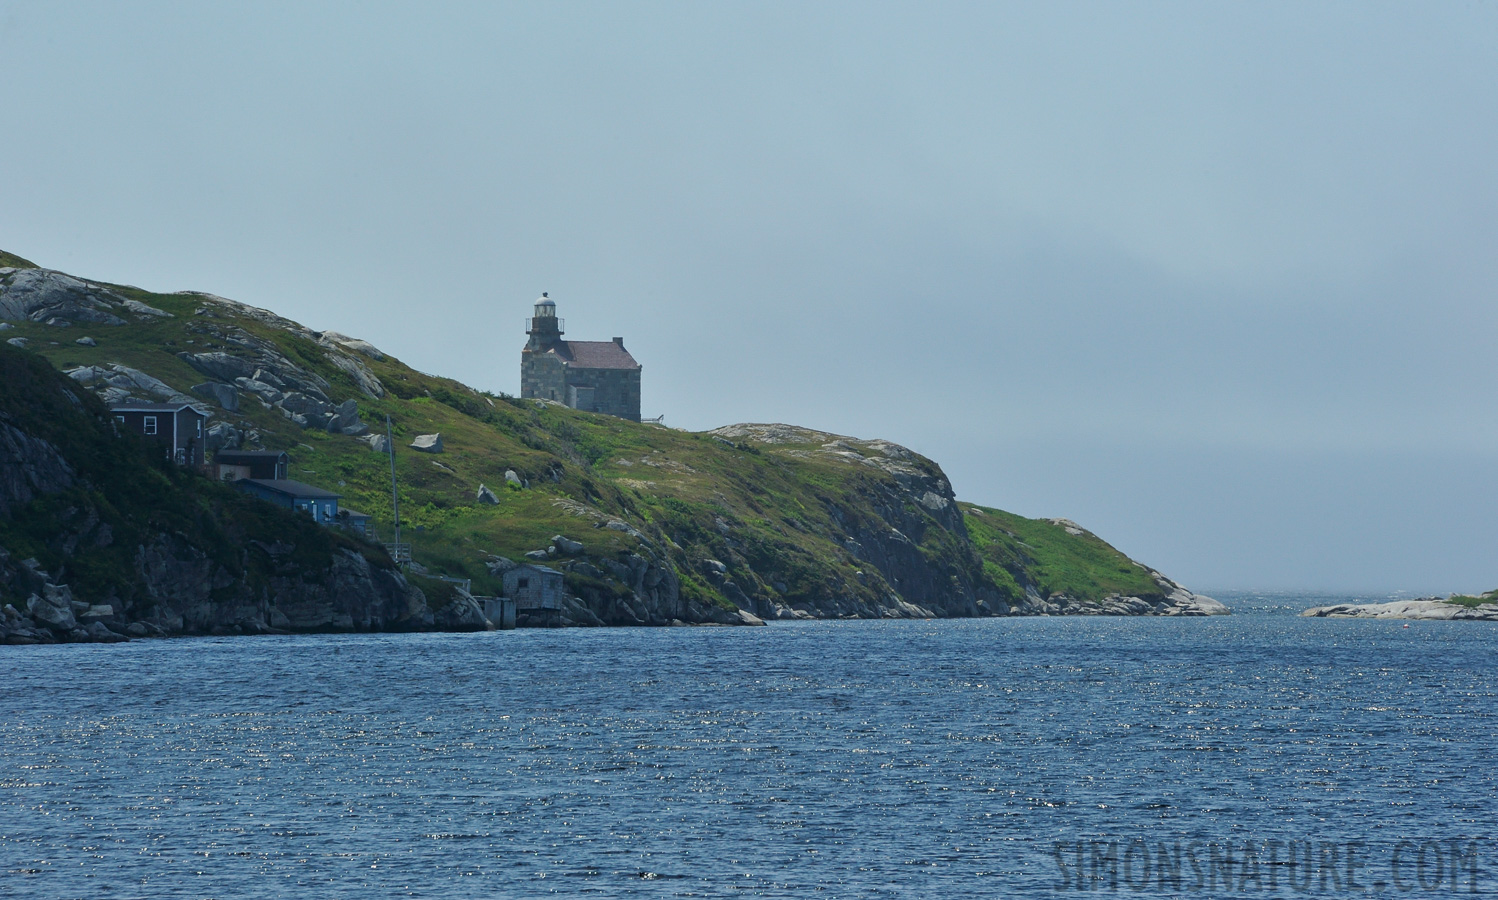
{"points": [[395, 497]]}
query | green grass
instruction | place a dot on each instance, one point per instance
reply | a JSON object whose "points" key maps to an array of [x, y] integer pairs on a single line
{"points": [[1491, 597], [1081, 566], [15, 262]]}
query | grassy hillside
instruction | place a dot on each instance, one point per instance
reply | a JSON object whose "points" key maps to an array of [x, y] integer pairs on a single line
{"points": [[799, 520]]}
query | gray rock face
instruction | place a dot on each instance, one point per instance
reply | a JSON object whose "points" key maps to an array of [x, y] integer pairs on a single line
{"points": [[29, 467], [360, 373], [222, 436], [117, 382], [189, 593], [41, 294], [150, 312], [224, 395], [334, 339], [427, 443], [486, 496]]}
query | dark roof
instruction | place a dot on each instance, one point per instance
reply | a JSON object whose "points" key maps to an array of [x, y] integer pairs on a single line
{"points": [[596, 355], [353, 513], [249, 455], [126, 406], [292, 488]]}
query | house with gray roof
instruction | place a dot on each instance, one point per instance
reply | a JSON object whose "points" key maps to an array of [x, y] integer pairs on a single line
{"points": [[593, 376], [177, 428]]}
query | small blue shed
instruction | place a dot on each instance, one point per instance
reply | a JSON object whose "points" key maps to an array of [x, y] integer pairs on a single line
{"points": [[320, 504]]}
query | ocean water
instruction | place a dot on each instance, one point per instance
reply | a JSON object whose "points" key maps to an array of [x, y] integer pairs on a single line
{"points": [[1259, 754]]}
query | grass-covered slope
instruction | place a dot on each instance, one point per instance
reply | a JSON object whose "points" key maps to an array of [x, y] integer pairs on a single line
{"points": [[775, 520]]}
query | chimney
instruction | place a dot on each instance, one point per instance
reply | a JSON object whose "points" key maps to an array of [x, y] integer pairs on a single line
{"points": [[620, 342]]}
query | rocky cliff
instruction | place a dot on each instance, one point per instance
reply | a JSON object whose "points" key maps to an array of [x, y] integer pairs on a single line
{"points": [[649, 525]]}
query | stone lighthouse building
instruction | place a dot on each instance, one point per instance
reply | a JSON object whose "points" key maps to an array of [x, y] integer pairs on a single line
{"points": [[594, 376]]}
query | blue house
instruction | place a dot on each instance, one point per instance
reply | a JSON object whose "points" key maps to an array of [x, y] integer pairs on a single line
{"points": [[320, 504]]}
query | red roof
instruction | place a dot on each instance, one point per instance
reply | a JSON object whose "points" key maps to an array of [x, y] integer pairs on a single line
{"points": [[596, 355]]}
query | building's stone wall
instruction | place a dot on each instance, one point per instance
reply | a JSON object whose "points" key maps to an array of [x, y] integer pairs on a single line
{"points": [[543, 376], [615, 391]]}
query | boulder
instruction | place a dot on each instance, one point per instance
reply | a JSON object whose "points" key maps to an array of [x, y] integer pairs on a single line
{"points": [[487, 496], [298, 403], [538, 554], [498, 565], [427, 443], [222, 436], [462, 613], [267, 393], [220, 365], [17, 342], [53, 611], [344, 414], [379, 443], [222, 394], [569, 547], [99, 633], [512, 478], [87, 341]]}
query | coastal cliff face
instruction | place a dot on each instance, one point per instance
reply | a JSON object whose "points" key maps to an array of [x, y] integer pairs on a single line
{"points": [[648, 525]]}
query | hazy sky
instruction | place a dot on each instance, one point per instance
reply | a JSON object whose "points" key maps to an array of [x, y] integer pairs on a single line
{"points": [[1217, 281]]}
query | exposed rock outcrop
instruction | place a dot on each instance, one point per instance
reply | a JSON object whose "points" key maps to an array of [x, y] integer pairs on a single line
{"points": [[38, 295], [1425, 608]]}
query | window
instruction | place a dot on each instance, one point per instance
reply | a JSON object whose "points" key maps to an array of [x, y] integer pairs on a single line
{"points": [[522, 582], [120, 419], [150, 424], [200, 428]]}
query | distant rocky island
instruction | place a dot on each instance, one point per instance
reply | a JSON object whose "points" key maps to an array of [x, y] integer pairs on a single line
{"points": [[578, 517], [1484, 608]]}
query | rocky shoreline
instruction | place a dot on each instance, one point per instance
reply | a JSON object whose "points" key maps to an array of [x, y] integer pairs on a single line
{"points": [[1424, 608]]}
